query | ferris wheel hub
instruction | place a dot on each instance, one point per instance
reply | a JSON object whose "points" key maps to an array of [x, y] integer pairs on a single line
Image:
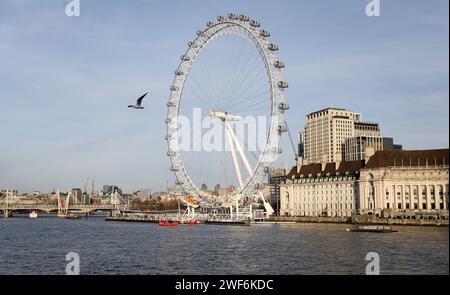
{"points": [[224, 116]]}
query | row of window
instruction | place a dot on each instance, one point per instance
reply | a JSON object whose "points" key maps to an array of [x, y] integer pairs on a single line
{"points": [[321, 179], [332, 213], [335, 206], [415, 206], [323, 199]]}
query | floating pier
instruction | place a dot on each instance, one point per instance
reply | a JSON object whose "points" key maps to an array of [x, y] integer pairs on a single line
{"points": [[181, 218]]}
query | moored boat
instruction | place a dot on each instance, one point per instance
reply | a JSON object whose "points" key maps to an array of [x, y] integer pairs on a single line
{"points": [[69, 216], [372, 228], [72, 216], [168, 223], [227, 222], [33, 214]]}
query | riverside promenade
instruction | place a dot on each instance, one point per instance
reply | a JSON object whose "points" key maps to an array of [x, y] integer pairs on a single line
{"points": [[359, 219]]}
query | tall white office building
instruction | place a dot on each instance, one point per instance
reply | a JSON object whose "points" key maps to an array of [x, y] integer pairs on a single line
{"points": [[326, 131]]}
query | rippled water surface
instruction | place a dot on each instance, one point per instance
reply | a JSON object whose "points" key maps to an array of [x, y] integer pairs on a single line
{"points": [[39, 246]]}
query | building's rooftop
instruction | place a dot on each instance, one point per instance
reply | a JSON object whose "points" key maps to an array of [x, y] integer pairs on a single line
{"points": [[373, 124], [326, 109], [415, 158], [391, 158], [315, 170]]}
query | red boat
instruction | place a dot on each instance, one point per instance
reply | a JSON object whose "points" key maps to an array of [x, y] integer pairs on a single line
{"points": [[168, 223], [192, 221]]}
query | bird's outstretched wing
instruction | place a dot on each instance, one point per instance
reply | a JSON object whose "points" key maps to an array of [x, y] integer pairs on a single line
{"points": [[139, 100]]}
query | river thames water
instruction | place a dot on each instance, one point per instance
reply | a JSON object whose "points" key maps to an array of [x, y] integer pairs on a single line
{"points": [[39, 246]]}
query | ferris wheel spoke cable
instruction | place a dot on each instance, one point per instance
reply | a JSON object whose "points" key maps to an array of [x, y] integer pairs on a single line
{"points": [[259, 100], [238, 68], [197, 90], [238, 74], [237, 78], [237, 89], [205, 76], [257, 107], [253, 83], [257, 94], [211, 84], [195, 95], [204, 84], [260, 97], [196, 101], [235, 61], [203, 93], [240, 94], [258, 79]]}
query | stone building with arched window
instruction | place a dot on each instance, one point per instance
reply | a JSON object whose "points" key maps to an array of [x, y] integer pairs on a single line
{"points": [[407, 182]]}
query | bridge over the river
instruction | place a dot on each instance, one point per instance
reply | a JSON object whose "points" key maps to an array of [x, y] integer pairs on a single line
{"points": [[9, 204]]}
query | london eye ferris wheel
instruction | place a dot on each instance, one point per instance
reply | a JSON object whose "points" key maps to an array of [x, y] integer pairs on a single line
{"points": [[229, 74]]}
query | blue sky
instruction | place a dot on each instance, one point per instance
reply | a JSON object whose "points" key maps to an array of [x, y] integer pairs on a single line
{"points": [[65, 82]]}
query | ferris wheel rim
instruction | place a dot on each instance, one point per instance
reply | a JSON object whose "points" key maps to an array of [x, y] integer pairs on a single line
{"points": [[276, 95]]}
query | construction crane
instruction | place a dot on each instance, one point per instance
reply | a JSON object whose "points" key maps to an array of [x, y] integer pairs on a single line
{"points": [[226, 174], [93, 186], [85, 185]]}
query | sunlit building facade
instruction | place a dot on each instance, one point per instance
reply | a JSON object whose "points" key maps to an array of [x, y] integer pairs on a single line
{"points": [[405, 181], [389, 184], [328, 190]]}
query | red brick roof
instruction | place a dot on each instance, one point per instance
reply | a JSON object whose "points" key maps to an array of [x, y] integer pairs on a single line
{"points": [[330, 168], [397, 158], [315, 169], [350, 167], [293, 172]]}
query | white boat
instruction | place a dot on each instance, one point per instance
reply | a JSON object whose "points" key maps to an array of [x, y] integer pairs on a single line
{"points": [[33, 214]]}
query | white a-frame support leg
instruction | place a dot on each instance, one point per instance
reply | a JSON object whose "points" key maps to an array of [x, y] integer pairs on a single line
{"points": [[239, 149], [233, 155]]}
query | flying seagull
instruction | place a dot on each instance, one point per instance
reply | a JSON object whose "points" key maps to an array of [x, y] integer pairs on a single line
{"points": [[138, 103]]}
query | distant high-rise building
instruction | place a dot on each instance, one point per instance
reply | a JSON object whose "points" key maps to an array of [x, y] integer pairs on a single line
{"points": [[389, 145], [367, 129], [301, 144], [361, 147], [276, 177], [86, 198], [326, 130], [144, 194], [77, 196]]}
